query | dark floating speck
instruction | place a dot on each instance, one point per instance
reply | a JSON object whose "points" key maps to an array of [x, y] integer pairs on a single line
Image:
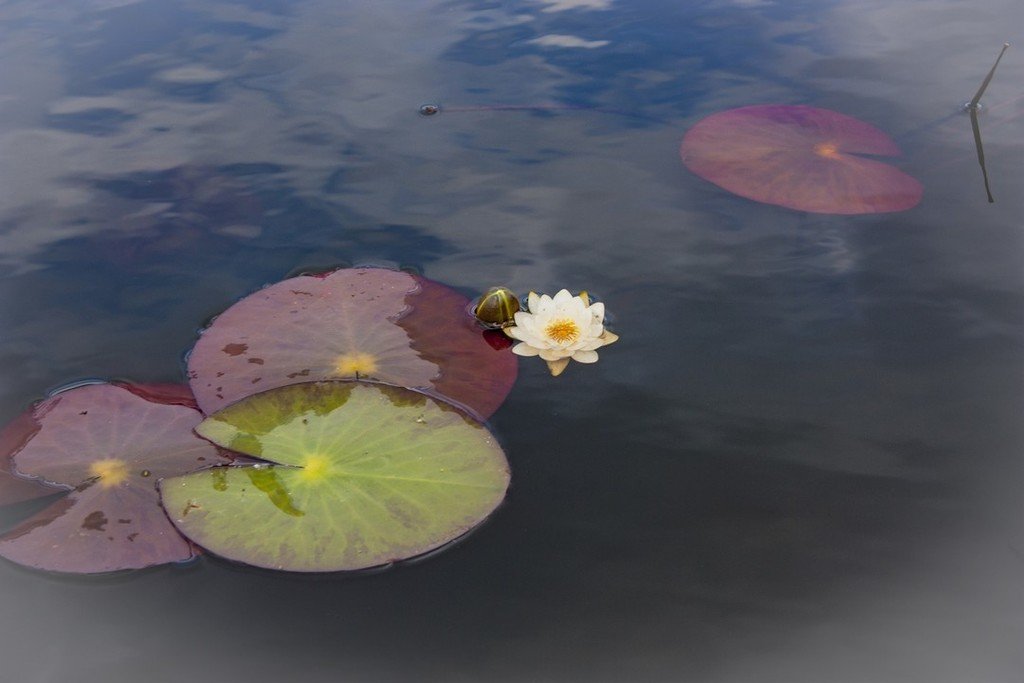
{"points": [[429, 109]]}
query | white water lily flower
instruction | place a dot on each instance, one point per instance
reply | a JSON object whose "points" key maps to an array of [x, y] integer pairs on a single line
{"points": [[559, 328]]}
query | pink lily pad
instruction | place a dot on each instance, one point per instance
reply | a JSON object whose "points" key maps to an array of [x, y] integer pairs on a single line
{"points": [[800, 157], [108, 446], [356, 323]]}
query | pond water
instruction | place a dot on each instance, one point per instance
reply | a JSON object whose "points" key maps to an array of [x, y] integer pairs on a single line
{"points": [[802, 461]]}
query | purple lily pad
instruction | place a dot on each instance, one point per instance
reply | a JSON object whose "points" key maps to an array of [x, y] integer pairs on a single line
{"points": [[800, 157], [107, 445], [356, 323]]}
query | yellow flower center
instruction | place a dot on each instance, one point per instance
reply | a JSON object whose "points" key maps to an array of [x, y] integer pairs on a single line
{"points": [[827, 150], [315, 468], [356, 363], [562, 331], [110, 471]]}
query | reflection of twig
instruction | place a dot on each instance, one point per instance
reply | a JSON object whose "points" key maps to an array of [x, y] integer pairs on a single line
{"points": [[433, 108], [972, 107], [981, 152]]}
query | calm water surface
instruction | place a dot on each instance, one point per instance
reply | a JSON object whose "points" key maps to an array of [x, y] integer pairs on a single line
{"points": [[802, 463]]}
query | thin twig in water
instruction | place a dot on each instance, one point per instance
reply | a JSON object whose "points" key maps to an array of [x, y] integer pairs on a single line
{"points": [[973, 107]]}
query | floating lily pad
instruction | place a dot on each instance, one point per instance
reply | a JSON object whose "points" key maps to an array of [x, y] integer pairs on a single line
{"points": [[107, 446], [800, 157], [357, 323], [364, 474]]}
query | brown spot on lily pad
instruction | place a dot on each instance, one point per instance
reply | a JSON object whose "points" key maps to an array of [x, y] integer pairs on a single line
{"points": [[95, 521], [235, 349]]}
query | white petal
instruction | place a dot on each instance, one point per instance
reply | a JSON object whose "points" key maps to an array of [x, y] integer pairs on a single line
{"points": [[597, 310], [516, 332], [554, 354], [533, 302], [583, 319], [585, 356], [579, 312], [532, 340], [563, 297], [525, 321], [523, 349]]}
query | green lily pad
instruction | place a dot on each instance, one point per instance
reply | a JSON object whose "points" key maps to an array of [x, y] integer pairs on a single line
{"points": [[359, 475]]}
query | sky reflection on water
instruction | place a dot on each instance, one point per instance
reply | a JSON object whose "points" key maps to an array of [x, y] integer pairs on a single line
{"points": [[802, 461]]}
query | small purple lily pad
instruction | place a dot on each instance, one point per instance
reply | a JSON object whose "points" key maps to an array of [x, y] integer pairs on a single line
{"points": [[107, 445], [800, 157], [356, 323]]}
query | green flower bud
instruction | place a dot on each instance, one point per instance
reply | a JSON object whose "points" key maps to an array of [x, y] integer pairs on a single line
{"points": [[497, 307]]}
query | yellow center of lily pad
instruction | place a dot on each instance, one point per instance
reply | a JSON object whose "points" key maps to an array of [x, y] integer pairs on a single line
{"points": [[110, 471], [315, 468], [563, 331], [827, 150], [356, 363]]}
